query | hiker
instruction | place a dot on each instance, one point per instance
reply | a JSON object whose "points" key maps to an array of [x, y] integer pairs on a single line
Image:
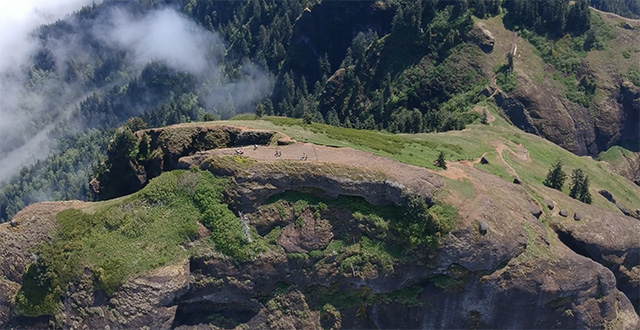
{"points": [[255, 147], [304, 156], [278, 153]]}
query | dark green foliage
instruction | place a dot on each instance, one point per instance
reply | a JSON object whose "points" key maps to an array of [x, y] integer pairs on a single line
{"points": [[556, 176], [363, 296], [411, 226], [627, 8], [634, 75], [421, 225], [61, 176], [483, 119], [39, 293], [552, 17], [440, 162], [505, 77], [121, 238], [580, 186]]}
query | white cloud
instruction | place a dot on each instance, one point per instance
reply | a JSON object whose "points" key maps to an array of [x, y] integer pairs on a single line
{"points": [[18, 18], [162, 35]]}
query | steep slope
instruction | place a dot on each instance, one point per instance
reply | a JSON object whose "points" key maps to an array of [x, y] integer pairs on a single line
{"points": [[337, 238], [543, 94]]}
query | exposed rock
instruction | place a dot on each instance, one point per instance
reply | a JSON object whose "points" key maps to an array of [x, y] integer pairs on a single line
{"points": [[164, 147], [7, 291], [606, 194], [517, 277], [563, 213], [517, 181], [482, 37], [484, 161], [550, 204], [617, 247], [627, 26], [314, 234], [353, 173], [577, 217], [36, 224], [148, 299], [483, 227], [535, 210], [516, 112]]}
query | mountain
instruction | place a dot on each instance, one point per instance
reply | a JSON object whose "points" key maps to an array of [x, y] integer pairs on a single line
{"points": [[324, 164], [345, 228]]}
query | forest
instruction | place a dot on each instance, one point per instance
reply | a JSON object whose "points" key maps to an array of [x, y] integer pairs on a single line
{"points": [[383, 68]]}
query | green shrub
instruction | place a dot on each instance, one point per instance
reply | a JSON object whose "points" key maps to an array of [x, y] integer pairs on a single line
{"points": [[131, 235]]}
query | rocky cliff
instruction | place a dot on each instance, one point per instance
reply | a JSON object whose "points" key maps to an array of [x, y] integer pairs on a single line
{"points": [[337, 255]]}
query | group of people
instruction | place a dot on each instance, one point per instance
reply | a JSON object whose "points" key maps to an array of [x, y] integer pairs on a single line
{"points": [[278, 153]]}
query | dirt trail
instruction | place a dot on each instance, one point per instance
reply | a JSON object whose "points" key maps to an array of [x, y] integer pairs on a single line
{"points": [[454, 172], [499, 148], [606, 13], [418, 180]]}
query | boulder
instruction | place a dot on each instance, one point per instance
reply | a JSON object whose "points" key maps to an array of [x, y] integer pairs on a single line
{"points": [[483, 227], [517, 181], [577, 216], [564, 213], [484, 161], [535, 210], [550, 203], [482, 37], [606, 194]]}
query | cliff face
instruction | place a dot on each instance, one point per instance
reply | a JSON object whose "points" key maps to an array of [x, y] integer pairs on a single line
{"points": [[334, 264], [540, 101], [158, 150]]}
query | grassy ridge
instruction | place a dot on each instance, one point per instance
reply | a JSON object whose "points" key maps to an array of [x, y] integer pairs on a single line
{"points": [[131, 235], [468, 144]]}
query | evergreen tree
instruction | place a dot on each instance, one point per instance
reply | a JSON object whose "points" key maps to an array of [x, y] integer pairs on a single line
{"points": [[440, 162], [580, 186], [576, 181], [556, 176], [585, 195]]}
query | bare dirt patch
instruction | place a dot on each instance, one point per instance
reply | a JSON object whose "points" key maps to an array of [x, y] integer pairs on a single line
{"points": [[417, 180]]}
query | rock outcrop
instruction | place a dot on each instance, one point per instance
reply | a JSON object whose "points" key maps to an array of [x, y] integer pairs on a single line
{"points": [[161, 148], [482, 37], [334, 172], [498, 267]]}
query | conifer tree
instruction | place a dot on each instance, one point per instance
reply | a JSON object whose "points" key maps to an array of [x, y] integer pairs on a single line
{"points": [[556, 176], [580, 186], [440, 162]]}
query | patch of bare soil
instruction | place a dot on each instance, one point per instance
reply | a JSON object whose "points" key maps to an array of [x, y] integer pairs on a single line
{"points": [[454, 172], [417, 179], [32, 226], [479, 109]]}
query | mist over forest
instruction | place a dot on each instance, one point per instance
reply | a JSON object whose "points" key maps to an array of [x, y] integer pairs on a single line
{"points": [[73, 71]]}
